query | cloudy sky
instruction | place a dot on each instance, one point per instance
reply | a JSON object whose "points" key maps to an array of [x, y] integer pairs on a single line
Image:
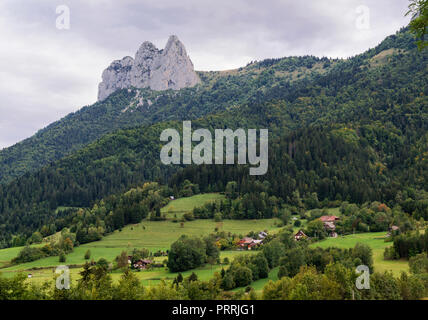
{"points": [[46, 72]]}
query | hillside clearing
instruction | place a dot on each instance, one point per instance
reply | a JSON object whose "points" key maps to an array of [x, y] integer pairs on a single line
{"points": [[376, 241]]}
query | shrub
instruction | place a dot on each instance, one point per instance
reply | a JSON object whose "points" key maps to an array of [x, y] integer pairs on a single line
{"points": [[242, 276], [188, 216], [186, 253], [218, 217], [29, 254], [62, 257], [419, 264]]}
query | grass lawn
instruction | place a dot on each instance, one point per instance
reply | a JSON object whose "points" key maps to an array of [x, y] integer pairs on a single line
{"points": [[182, 205], [259, 284], [153, 235], [156, 235], [376, 241], [147, 277]]}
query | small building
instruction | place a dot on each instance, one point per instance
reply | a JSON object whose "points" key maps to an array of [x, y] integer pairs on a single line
{"points": [[329, 226], [142, 264], [262, 235], [254, 244], [244, 242], [249, 243], [393, 230], [300, 235], [329, 218], [30, 275]]}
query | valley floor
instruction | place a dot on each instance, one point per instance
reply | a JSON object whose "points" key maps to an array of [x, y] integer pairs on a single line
{"points": [[159, 235]]}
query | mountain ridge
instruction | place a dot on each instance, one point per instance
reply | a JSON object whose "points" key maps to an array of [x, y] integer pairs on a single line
{"points": [[169, 68], [273, 78]]}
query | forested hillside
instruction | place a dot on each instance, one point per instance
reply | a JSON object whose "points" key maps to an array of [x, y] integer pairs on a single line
{"points": [[130, 108], [356, 132]]}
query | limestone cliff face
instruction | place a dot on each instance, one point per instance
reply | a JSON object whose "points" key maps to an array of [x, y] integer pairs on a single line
{"points": [[170, 68]]}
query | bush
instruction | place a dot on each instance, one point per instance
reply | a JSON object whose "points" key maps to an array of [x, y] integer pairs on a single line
{"points": [[242, 276], [419, 264], [364, 253], [228, 283], [62, 257], [29, 254], [389, 253], [186, 253], [189, 216], [218, 217]]}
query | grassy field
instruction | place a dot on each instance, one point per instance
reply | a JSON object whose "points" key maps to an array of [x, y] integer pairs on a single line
{"points": [[147, 277], [304, 222], [159, 235], [153, 235], [181, 206], [156, 235], [376, 241], [259, 284]]}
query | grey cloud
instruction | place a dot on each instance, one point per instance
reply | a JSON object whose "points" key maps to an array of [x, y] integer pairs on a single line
{"points": [[56, 72]]}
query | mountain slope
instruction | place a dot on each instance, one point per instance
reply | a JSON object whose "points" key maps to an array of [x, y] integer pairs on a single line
{"points": [[132, 107], [356, 132], [285, 79]]}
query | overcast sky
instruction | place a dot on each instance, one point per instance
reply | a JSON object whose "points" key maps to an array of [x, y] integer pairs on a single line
{"points": [[46, 73]]}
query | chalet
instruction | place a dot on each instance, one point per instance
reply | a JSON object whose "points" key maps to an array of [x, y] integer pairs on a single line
{"points": [[300, 235], [142, 264], [262, 235], [329, 226], [249, 243], [329, 218], [392, 229], [244, 242]]}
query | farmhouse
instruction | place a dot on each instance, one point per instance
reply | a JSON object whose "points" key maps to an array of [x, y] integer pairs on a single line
{"points": [[142, 264], [262, 235], [329, 218], [249, 243], [393, 229], [300, 235], [329, 225]]}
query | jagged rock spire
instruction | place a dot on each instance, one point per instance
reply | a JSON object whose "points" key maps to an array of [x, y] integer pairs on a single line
{"points": [[170, 68]]}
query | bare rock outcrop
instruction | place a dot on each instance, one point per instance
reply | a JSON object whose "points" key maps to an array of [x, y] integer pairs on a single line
{"points": [[170, 68]]}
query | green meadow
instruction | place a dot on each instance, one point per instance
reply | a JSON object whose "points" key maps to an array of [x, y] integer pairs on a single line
{"points": [[376, 241], [180, 206], [153, 235], [159, 235]]}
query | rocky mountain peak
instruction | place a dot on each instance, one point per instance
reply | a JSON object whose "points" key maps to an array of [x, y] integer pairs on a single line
{"points": [[170, 68]]}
